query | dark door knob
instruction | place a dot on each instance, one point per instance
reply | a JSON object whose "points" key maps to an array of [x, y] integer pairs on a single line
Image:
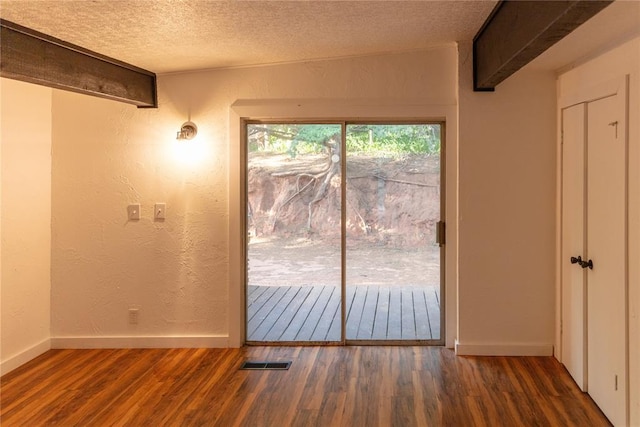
{"points": [[585, 264], [575, 260]]}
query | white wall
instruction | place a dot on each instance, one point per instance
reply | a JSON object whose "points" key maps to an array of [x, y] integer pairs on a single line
{"points": [[25, 222], [183, 273], [614, 64], [507, 214]]}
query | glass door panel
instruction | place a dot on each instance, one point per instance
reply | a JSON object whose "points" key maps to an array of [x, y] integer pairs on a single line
{"points": [[293, 206], [393, 205], [331, 261]]}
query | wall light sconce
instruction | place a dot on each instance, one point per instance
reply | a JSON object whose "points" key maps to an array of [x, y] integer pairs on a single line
{"points": [[187, 131]]}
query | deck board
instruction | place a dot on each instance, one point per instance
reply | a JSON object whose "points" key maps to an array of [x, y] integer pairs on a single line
{"points": [[320, 306], [322, 329], [302, 313], [381, 320], [298, 296], [433, 308], [423, 325], [275, 314], [257, 295], [262, 312], [394, 324], [312, 313], [365, 328], [408, 314], [355, 311]]}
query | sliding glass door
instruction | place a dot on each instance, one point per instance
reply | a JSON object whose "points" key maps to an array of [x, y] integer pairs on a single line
{"points": [[393, 208], [333, 260], [294, 226]]}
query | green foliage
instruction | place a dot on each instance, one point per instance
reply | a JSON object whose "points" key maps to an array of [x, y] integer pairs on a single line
{"points": [[393, 140], [363, 139], [311, 138]]}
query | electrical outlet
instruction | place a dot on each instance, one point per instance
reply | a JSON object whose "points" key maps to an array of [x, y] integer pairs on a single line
{"points": [[133, 316]]}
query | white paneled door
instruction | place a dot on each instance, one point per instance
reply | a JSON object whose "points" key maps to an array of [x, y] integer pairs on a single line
{"points": [[594, 249], [606, 249], [573, 231]]}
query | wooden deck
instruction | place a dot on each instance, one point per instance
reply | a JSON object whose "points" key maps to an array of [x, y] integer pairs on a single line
{"points": [[312, 313]]}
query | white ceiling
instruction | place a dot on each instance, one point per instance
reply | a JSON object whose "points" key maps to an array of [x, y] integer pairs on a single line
{"points": [[178, 35]]}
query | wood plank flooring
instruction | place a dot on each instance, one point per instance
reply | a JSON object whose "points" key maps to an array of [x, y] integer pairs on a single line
{"points": [[325, 386], [312, 313]]}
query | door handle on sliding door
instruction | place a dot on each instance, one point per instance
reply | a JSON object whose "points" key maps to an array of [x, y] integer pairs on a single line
{"points": [[440, 233]]}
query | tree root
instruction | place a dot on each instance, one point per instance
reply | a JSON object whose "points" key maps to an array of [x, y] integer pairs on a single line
{"points": [[326, 174]]}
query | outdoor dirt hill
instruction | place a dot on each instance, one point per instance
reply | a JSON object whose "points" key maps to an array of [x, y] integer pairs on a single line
{"points": [[391, 202]]}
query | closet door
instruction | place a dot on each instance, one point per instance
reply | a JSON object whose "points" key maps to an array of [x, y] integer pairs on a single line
{"points": [[606, 248], [573, 231]]}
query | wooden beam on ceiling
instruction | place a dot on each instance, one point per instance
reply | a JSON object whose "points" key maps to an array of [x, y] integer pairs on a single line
{"points": [[517, 31], [33, 57]]}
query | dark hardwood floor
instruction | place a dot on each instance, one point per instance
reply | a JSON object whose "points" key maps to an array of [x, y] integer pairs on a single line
{"points": [[325, 386]]}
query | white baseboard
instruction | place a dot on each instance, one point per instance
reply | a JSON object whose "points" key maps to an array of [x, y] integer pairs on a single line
{"points": [[200, 341], [24, 356], [507, 349]]}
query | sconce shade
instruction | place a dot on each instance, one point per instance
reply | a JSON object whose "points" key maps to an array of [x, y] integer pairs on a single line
{"points": [[187, 131]]}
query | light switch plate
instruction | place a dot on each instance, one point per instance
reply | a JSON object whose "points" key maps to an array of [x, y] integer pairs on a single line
{"points": [[159, 211], [133, 211]]}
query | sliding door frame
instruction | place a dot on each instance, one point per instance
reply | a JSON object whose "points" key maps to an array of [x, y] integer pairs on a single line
{"points": [[245, 122], [442, 303]]}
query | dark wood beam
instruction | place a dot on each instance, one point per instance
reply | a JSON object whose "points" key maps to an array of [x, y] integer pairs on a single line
{"points": [[34, 57], [517, 31]]}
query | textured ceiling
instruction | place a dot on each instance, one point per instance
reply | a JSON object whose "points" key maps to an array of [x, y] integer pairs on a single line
{"points": [[618, 22], [177, 35]]}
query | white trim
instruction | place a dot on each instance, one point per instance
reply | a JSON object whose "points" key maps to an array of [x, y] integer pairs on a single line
{"points": [[199, 341], [435, 46], [503, 349], [598, 52], [341, 109], [558, 234], [603, 90], [24, 356]]}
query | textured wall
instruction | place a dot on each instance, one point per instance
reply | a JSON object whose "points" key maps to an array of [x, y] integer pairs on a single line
{"points": [[26, 221], [177, 272], [107, 155], [507, 214]]}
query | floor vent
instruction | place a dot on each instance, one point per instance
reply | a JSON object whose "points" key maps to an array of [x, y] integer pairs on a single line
{"points": [[262, 366]]}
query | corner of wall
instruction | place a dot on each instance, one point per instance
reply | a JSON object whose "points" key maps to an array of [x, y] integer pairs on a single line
{"points": [[25, 222], [26, 355]]}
